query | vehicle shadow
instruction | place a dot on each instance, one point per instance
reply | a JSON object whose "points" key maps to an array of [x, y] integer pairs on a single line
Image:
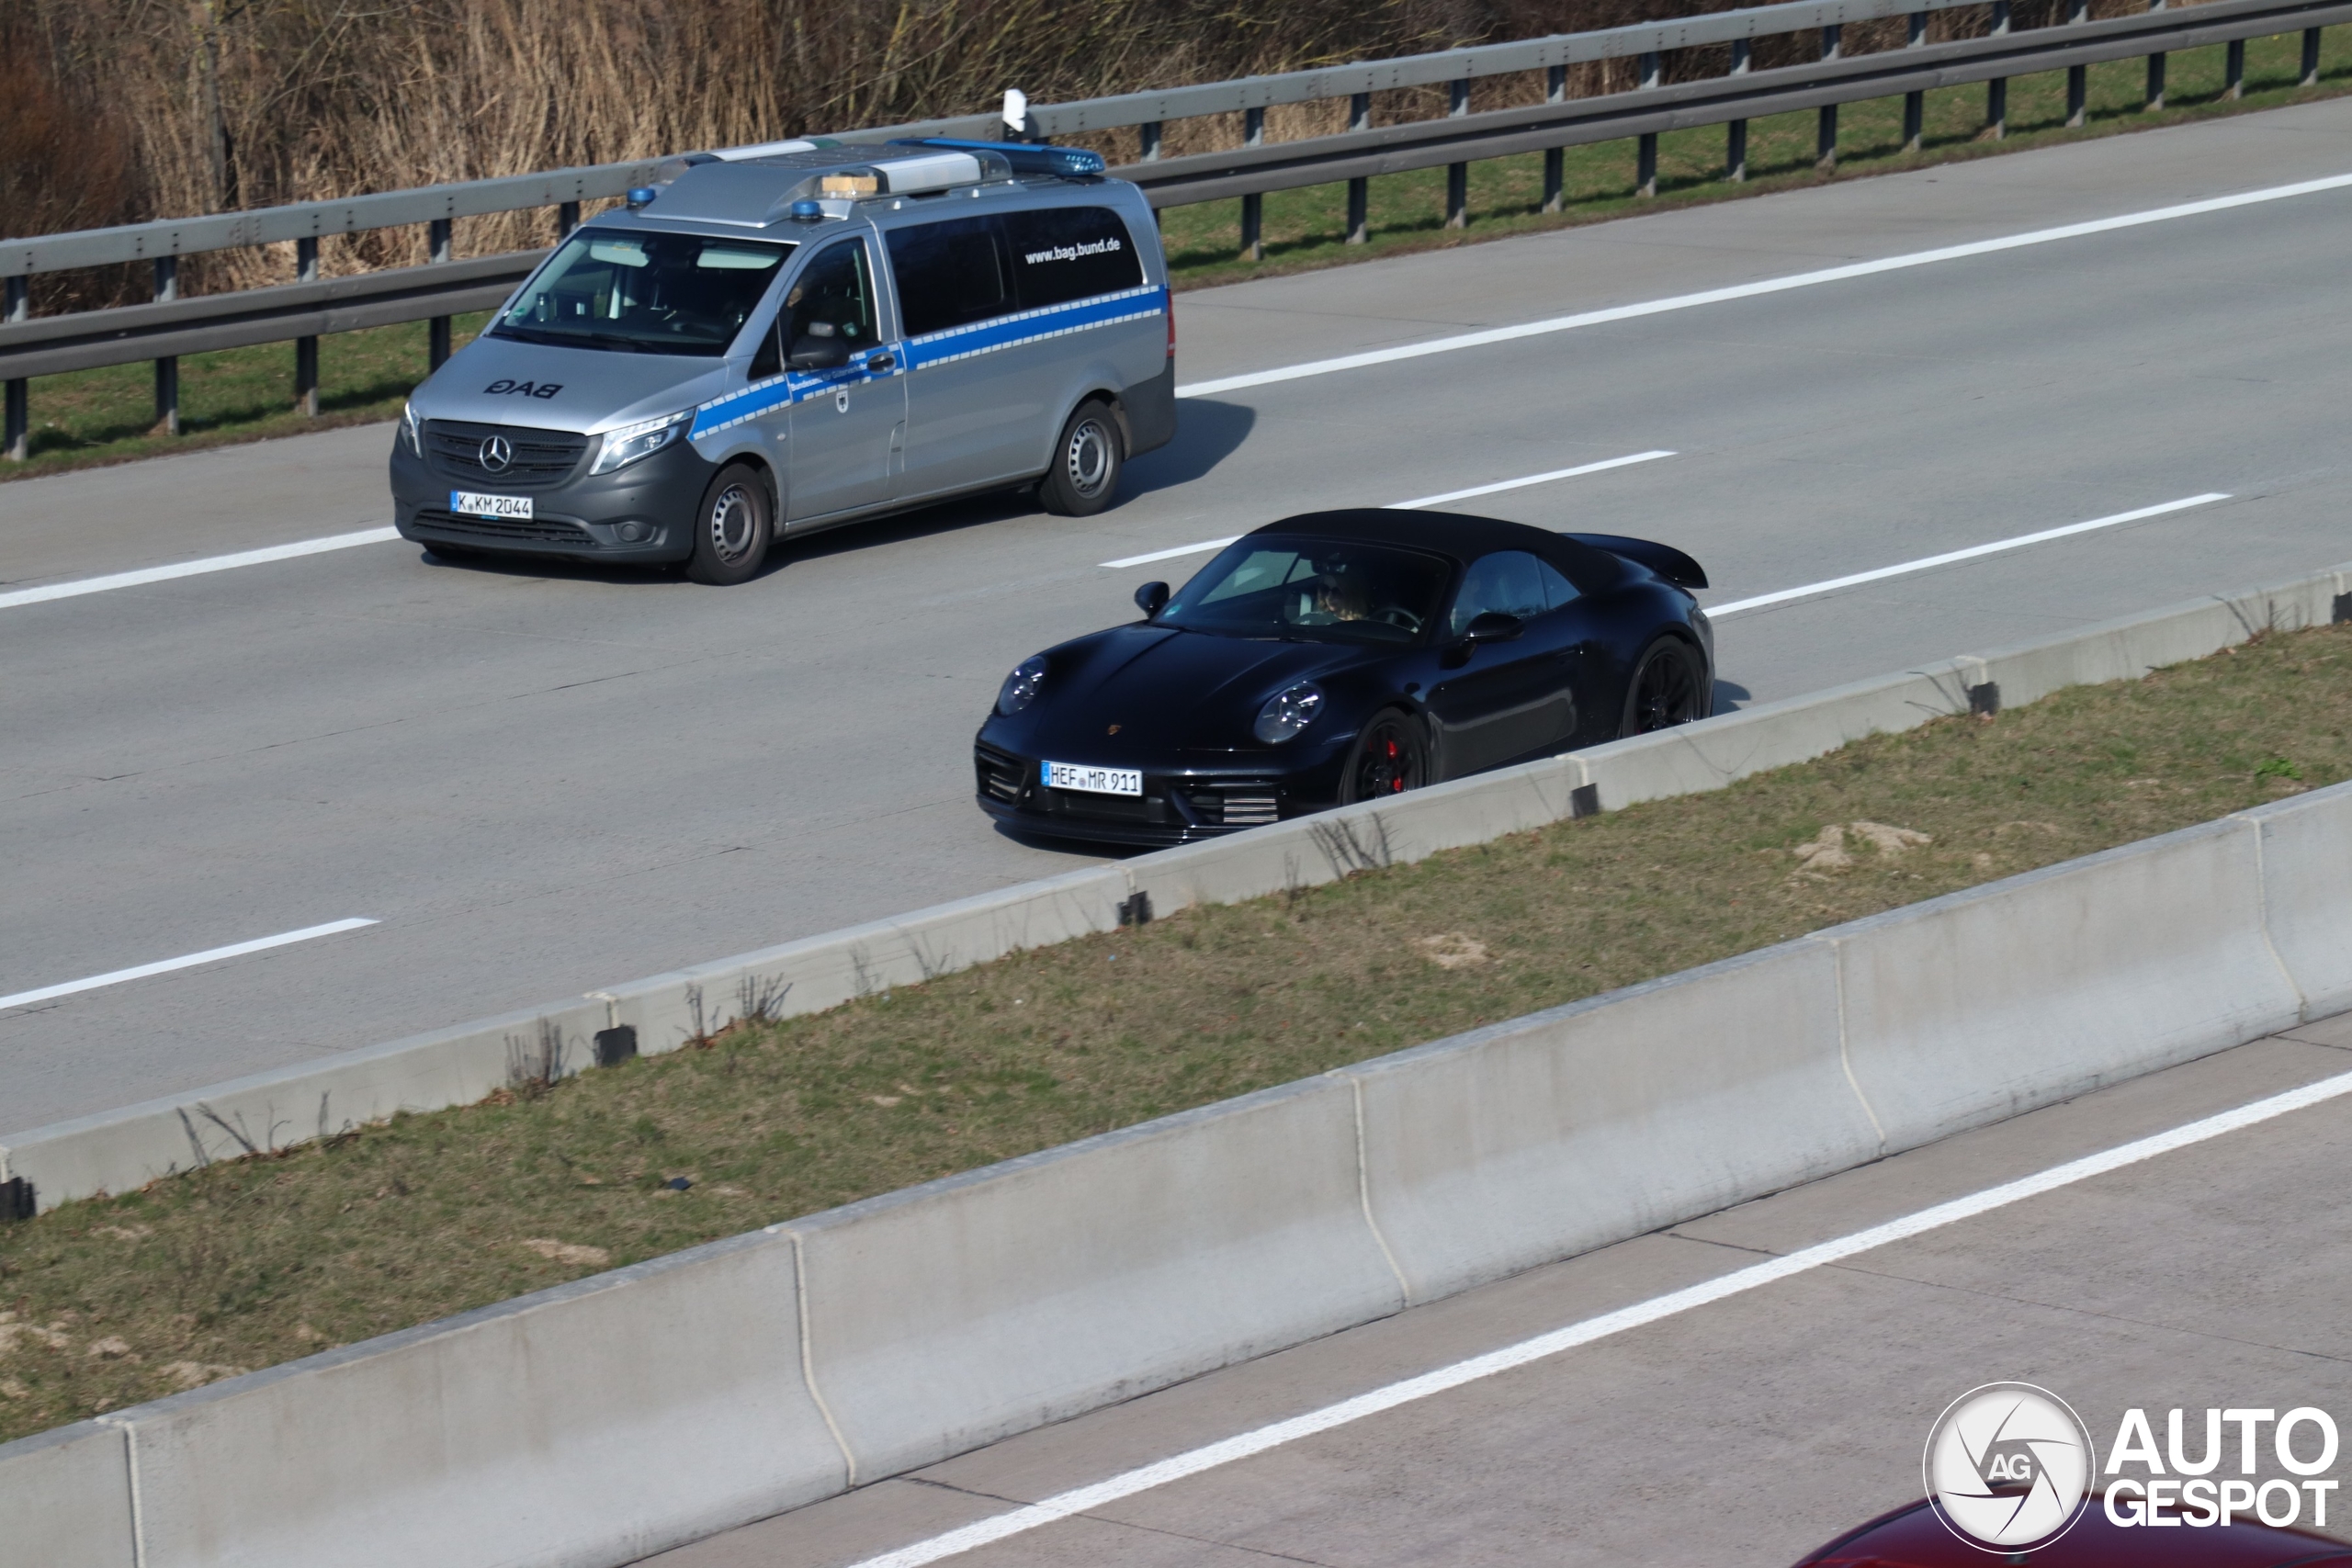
{"points": [[1207, 433], [1729, 695]]}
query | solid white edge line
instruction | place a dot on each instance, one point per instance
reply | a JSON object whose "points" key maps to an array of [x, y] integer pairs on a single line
{"points": [[164, 967], [1767, 286], [1718, 612], [1203, 545], [1078, 1500], [1500, 485], [74, 590]]}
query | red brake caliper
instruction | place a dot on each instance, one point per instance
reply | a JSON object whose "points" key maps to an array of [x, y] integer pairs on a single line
{"points": [[1396, 783]]}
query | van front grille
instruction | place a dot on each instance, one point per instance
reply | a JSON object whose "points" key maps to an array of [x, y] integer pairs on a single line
{"points": [[543, 530], [537, 458]]}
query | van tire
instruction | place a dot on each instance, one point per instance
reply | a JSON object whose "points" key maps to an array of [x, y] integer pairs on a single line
{"points": [[733, 528], [1087, 462]]}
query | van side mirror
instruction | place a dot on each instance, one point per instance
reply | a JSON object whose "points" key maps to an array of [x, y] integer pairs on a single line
{"points": [[1151, 598], [811, 351], [1493, 625]]}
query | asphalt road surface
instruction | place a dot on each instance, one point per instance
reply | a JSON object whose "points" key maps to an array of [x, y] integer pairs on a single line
{"points": [[541, 781], [1739, 1434]]}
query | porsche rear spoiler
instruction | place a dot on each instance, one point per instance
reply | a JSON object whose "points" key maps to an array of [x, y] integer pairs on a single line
{"points": [[1664, 560]]}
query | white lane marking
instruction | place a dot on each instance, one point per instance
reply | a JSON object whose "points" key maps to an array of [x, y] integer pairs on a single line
{"points": [[1767, 286], [74, 590], [1718, 612], [1207, 545], [1529, 479], [164, 967], [1201, 548], [1079, 1500]]}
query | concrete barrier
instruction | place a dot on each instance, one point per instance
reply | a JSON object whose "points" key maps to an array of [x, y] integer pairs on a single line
{"points": [[1564, 1131], [120, 1150], [1980, 1005], [958, 1313], [591, 1424], [2127, 647], [1697, 757], [587, 1426], [2305, 846], [65, 1500]]}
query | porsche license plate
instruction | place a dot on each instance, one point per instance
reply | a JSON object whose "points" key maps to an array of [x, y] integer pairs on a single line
{"points": [[1093, 781], [470, 503]]}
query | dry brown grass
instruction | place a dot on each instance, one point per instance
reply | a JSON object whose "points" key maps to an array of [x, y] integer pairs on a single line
{"points": [[103, 1304], [120, 110]]}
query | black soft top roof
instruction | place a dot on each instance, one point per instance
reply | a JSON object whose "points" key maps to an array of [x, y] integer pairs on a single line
{"points": [[1457, 535]]}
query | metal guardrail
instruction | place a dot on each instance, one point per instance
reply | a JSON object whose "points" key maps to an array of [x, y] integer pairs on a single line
{"points": [[304, 311]]}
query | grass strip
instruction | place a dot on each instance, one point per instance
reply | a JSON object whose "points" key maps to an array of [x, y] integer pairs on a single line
{"points": [[110, 1302], [93, 417]]}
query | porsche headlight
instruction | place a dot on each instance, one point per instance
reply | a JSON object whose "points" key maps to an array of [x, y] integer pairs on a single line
{"points": [[1287, 712], [1019, 688], [412, 430], [630, 442]]}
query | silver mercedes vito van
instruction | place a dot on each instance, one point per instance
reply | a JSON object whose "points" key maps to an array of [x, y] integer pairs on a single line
{"points": [[802, 337]]}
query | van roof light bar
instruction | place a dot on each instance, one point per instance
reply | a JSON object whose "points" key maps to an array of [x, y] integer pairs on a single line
{"points": [[1068, 162]]}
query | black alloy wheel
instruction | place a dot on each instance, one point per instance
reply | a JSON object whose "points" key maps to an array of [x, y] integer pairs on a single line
{"points": [[1390, 757], [732, 528], [1086, 465], [1665, 690]]}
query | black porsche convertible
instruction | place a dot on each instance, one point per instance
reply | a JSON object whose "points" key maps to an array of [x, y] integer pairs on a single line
{"points": [[1338, 656]]}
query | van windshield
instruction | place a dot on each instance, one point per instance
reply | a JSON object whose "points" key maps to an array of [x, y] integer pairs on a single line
{"points": [[641, 293], [1311, 590]]}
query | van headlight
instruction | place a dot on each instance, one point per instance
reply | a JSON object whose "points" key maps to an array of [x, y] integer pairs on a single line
{"points": [[412, 430], [1019, 688], [621, 448], [1287, 712]]}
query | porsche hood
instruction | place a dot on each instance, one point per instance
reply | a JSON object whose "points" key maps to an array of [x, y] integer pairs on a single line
{"points": [[1166, 690]]}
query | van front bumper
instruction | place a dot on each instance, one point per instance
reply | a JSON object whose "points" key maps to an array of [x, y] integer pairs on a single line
{"points": [[643, 512]]}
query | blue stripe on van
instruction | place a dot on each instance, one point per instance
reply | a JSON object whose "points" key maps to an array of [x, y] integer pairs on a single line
{"points": [[931, 348]]}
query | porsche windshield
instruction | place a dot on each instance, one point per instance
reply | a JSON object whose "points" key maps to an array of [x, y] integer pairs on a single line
{"points": [[641, 293], [1314, 589]]}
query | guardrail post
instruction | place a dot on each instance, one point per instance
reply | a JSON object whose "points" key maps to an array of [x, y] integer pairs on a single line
{"points": [[167, 370], [1824, 143], [1555, 159], [2311, 57], [2078, 77], [437, 333], [567, 214], [16, 442], [1253, 206], [1914, 105], [1997, 91], [1360, 188], [1147, 143], [1735, 133], [1457, 175], [2233, 71], [1646, 148], [2156, 96], [306, 349]]}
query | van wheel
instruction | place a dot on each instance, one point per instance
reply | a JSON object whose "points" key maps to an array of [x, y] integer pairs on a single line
{"points": [[1086, 461], [732, 528]]}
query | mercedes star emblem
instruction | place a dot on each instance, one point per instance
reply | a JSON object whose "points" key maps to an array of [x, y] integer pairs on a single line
{"points": [[497, 454]]}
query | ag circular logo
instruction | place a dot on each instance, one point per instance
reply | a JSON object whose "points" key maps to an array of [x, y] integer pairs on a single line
{"points": [[2009, 1466]]}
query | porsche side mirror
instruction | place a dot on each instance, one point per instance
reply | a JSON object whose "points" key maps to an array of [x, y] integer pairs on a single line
{"points": [[1150, 598], [1493, 625], [811, 351]]}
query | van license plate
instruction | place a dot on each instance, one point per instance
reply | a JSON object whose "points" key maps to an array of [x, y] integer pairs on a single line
{"points": [[1093, 781], [467, 503]]}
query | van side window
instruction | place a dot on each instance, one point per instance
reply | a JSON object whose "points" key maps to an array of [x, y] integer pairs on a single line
{"points": [[949, 273], [833, 298], [1060, 254]]}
